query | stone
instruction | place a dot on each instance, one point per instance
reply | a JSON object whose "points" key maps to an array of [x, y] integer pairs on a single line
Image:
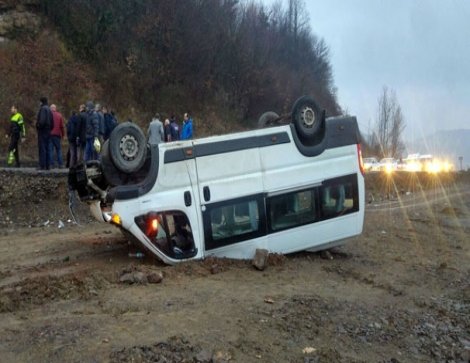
{"points": [[134, 278], [127, 278], [204, 356], [260, 261], [154, 277], [140, 278]]}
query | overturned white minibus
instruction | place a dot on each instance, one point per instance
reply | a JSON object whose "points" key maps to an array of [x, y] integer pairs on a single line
{"points": [[283, 188]]}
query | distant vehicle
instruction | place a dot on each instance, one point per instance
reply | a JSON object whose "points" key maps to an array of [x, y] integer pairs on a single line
{"points": [[426, 163], [388, 165], [371, 164], [285, 188]]}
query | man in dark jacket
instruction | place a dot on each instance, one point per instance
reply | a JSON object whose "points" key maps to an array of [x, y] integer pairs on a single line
{"points": [[110, 123], [174, 129], [44, 125], [81, 134], [92, 132], [72, 132]]}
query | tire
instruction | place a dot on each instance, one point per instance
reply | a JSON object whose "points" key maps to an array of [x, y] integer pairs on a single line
{"points": [[266, 119], [127, 147], [307, 117]]}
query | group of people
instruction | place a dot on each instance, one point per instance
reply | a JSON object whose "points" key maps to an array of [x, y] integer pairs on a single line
{"points": [[92, 124], [85, 130], [169, 130]]}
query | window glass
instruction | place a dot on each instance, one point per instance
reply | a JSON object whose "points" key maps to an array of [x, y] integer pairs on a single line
{"points": [[338, 198], [174, 236], [293, 209], [234, 220]]}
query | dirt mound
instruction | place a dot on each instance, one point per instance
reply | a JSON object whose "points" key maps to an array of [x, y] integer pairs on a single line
{"points": [[35, 199], [42, 290]]}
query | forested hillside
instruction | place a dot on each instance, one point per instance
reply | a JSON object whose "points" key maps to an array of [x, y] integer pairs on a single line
{"points": [[224, 60]]}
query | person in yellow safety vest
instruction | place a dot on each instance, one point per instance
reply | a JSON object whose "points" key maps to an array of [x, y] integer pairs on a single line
{"points": [[17, 131]]}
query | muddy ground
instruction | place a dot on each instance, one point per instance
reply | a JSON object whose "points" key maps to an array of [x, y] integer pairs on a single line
{"points": [[398, 293]]}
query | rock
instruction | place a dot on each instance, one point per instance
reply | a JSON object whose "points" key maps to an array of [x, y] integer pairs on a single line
{"points": [[140, 278], [215, 269], [203, 356], [154, 277], [260, 261], [134, 277]]}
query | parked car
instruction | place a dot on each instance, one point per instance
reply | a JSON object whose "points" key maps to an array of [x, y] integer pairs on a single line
{"points": [[283, 188]]}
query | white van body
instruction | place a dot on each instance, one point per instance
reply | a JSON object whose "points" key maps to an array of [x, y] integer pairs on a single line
{"points": [[232, 194]]}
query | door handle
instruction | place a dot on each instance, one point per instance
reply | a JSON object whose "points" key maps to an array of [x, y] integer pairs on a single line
{"points": [[207, 194], [187, 199]]}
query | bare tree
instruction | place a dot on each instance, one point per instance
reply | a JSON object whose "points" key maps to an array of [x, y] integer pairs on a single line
{"points": [[387, 136]]}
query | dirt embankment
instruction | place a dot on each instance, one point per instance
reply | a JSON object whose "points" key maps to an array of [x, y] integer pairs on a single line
{"points": [[400, 292]]}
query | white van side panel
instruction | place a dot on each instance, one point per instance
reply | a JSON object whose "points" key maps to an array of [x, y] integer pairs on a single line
{"points": [[230, 175], [295, 170]]}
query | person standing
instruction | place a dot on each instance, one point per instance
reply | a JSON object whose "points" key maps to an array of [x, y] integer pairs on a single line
{"points": [[44, 125], [92, 132], [72, 135], [57, 134], [187, 132], [101, 126], [155, 133], [17, 131], [81, 133], [174, 129], [167, 130], [110, 122]]}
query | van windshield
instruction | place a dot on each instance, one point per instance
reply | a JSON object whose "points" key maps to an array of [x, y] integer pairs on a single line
{"points": [[173, 237]]}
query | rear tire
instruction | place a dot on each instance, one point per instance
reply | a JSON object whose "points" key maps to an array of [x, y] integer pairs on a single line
{"points": [[307, 117], [266, 119], [127, 147]]}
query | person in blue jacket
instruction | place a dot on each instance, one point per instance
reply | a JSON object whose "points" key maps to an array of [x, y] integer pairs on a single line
{"points": [[187, 132]]}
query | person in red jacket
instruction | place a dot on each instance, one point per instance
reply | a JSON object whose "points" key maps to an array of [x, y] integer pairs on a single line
{"points": [[57, 134]]}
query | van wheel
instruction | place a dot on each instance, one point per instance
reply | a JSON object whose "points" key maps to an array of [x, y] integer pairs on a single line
{"points": [[127, 147], [266, 119], [306, 116]]}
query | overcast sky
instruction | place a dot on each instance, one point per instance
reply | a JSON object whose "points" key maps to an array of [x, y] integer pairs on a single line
{"points": [[419, 48]]}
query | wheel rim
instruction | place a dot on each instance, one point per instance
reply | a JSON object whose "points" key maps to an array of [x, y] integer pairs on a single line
{"points": [[129, 147], [307, 116]]}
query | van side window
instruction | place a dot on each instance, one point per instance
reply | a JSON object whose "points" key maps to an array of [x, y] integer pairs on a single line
{"points": [[233, 221], [291, 210], [339, 196]]}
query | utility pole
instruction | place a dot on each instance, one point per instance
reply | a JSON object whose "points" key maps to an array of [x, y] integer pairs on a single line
{"points": [[461, 162]]}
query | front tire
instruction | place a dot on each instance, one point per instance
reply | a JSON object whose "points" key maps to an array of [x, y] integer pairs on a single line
{"points": [[127, 147]]}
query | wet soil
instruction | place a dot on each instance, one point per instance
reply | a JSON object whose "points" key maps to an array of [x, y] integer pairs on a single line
{"points": [[398, 293]]}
